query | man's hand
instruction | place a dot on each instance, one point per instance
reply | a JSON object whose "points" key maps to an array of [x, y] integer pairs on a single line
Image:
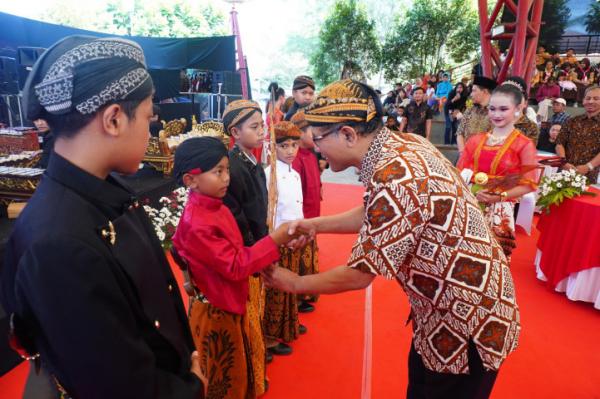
{"points": [[198, 371], [582, 169], [280, 278], [568, 166], [308, 229]]}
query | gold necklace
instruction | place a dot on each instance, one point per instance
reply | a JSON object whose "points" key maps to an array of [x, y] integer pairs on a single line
{"points": [[494, 141]]}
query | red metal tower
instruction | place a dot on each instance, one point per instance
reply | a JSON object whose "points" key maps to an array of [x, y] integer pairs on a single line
{"points": [[523, 35], [241, 60]]}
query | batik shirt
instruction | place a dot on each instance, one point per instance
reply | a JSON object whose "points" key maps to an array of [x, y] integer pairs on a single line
{"points": [[580, 136], [424, 229], [475, 120]]}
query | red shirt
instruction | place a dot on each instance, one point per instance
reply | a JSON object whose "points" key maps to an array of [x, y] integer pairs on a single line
{"points": [[210, 240], [307, 166]]}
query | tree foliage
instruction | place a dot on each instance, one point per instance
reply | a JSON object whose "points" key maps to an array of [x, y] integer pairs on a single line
{"points": [[163, 18], [347, 44], [555, 16], [429, 36], [592, 19]]}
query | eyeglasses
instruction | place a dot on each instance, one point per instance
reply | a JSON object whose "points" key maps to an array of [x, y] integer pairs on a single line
{"points": [[316, 139]]}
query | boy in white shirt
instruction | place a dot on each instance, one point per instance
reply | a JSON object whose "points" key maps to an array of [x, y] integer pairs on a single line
{"points": [[281, 309]]}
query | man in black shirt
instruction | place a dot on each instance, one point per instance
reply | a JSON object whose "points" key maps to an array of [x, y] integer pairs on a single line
{"points": [[418, 116]]}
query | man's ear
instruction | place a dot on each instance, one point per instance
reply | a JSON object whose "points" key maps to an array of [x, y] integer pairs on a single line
{"points": [[113, 119], [350, 135]]}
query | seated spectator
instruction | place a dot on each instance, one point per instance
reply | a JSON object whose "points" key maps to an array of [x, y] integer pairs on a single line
{"points": [[408, 88], [569, 57], [402, 99], [430, 96], [584, 77], [390, 100], [392, 123], [401, 112], [541, 57], [565, 79], [546, 93], [547, 141]]}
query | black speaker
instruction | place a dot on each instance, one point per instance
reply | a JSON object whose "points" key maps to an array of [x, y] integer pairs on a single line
{"points": [[8, 76], [26, 58]]}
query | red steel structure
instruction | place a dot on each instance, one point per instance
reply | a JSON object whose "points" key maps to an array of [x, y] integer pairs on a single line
{"points": [[523, 35]]}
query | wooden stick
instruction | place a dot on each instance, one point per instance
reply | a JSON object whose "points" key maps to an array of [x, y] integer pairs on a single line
{"points": [[273, 194]]}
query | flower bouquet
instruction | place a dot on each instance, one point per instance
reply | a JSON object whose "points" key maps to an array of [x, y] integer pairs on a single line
{"points": [[166, 219], [560, 185]]}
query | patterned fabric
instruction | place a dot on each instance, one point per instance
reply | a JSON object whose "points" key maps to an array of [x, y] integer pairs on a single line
{"points": [[281, 308], [559, 118], [83, 73], [309, 264], [425, 229], [237, 112], [344, 101], [254, 312], [303, 81], [222, 339], [475, 120], [580, 136], [528, 128]]}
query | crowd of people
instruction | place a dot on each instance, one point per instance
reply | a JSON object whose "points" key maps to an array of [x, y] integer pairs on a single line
{"points": [[93, 300], [567, 75]]}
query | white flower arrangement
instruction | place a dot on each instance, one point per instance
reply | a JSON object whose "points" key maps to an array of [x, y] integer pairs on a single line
{"points": [[166, 219], [555, 188]]}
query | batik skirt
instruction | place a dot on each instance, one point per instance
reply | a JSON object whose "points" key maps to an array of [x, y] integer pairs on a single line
{"points": [[281, 308]]}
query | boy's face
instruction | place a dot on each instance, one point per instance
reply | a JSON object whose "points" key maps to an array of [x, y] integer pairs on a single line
{"points": [[251, 133], [287, 150], [304, 97], [212, 183], [135, 138]]}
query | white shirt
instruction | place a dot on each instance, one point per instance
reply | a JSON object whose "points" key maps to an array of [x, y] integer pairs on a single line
{"points": [[289, 193]]}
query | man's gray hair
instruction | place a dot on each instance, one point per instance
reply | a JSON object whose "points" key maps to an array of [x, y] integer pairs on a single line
{"points": [[592, 87]]}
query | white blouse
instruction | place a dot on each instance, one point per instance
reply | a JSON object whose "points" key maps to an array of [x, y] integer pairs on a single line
{"points": [[289, 193]]}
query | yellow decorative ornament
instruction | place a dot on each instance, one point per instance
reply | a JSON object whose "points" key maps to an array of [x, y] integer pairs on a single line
{"points": [[481, 178]]}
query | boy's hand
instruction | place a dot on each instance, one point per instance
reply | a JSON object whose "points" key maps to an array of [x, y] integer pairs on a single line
{"points": [[284, 234]]}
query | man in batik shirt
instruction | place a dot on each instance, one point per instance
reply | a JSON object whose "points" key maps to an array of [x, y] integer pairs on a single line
{"points": [[420, 226], [579, 138], [475, 120]]}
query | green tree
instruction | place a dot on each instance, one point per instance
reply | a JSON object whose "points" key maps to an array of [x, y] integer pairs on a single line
{"points": [[175, 18], [431, 36], [166, 18], [555, 16], [347, 44], [592, 19]]}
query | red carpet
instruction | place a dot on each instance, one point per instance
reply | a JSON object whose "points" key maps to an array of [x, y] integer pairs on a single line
{"points": [[558, 355]]}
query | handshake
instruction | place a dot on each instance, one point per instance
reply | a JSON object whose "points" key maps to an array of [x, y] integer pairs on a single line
{"points": [[295, 234]]}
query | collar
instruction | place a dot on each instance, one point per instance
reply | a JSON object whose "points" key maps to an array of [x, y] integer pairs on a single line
{"points": [[367, 166], [109, 192], [594, 118], [244, 156], [205, 201], [283, 166]]}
